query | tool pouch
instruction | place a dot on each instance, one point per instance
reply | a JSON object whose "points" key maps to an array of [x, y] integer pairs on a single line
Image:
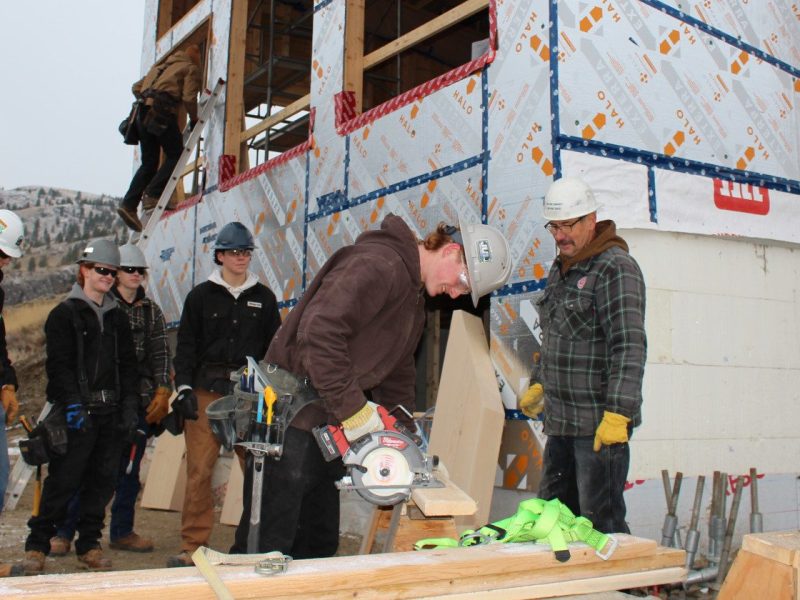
{"points": [[34, 451], [47, 440]]}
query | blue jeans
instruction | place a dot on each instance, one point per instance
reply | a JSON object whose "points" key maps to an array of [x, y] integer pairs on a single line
{"points": [[124, 505], [590, 483], [4, 464]]}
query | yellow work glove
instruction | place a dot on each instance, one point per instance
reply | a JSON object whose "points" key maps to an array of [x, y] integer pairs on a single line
{"points": [[613, 429], [159, 405], [532, 401], [8, 396], [366, 420]]}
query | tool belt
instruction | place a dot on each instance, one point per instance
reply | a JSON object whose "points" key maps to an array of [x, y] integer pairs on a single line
{"points": [[47, 440], [159, 111], [536, 520], [100, 398]]}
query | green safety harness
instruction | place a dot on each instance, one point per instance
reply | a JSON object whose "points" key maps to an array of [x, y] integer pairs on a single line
{"points": [[534, 521]]}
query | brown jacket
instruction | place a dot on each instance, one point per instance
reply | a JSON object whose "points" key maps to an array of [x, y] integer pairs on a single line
{"points": [[176, 75], [357, 326]]}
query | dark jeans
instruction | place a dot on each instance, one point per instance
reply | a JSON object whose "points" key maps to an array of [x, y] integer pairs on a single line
{"points": [[590, 483], [149, 178], [299, 502], [124, 505], [89, 466]]}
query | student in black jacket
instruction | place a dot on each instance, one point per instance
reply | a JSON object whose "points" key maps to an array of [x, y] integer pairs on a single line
{"points": [[92, 385], [224, 320]]}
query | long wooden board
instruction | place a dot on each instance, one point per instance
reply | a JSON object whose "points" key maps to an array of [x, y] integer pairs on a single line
{"points": [[165, 486], [494, 571]]}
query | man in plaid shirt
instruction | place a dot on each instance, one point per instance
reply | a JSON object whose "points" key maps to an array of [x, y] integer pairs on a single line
{"points": [[592, 361]]}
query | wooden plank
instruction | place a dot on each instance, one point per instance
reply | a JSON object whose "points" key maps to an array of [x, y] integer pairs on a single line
{"points": [[780, 546], [431, 28], [410, 531], [755, 576], [234, 95], [469, 417], [165, 486], [449, 500], [283, 114], [233, 503], [354, 50], [399, 575]]}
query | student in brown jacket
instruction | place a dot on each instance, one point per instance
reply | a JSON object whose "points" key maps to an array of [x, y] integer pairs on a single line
{"points": [[169, 83], [353, 334]]}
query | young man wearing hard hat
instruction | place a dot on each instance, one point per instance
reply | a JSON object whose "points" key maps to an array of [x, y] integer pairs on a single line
{"points": [[353, 335], [93, 386], [592, 359], [11, 232], [225, 319]]}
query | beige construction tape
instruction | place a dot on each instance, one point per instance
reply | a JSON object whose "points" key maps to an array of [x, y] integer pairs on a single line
{"points": [[205, 559]]}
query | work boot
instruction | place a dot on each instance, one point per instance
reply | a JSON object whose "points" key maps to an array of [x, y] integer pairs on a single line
{"points": [[9, 570], [132, 542], [184, 559], [149, 202], [33, 564], [95, 561], [59, 546], [129, 217]]}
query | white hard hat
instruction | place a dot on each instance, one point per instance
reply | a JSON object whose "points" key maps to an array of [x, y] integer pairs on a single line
{"points": [[488, 258], [131, 256], [569, 198], [11, 232]]}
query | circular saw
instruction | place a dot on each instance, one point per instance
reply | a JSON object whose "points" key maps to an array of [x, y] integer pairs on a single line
{"points": [[382, 467]]}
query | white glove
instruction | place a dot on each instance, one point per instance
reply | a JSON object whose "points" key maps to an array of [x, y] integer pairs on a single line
{"points": [[366, 420]]}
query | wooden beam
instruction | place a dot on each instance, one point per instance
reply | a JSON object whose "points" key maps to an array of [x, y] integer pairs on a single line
{"points": [[490, 571], [234, 84], [354, 50], [431, 28], [294, 108], [449, 500]]}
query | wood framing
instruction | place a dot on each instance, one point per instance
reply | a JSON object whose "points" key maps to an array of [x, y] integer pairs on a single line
{"points": [[502, 571], [469, 416], [234, 94], [272, 120], [431, 28], [354, 50]]}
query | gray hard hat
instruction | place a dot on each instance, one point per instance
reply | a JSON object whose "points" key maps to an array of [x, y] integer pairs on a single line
{"points": [[488, 258], [102, 252], [131, 256], [234, 236]]}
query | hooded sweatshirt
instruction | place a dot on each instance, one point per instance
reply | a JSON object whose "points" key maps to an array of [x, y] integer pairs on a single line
{"points": [[357, 326]]}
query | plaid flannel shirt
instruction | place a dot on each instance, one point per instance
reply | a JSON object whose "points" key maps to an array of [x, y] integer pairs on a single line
{"points": [[593, 343]]}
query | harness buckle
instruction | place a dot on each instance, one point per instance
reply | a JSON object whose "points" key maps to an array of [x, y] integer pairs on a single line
{"points": [[480, 538], [273, 565], [611, 545]]}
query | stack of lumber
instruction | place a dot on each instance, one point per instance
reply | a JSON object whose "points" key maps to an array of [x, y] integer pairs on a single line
{"points": [[502, 571], [767, 566]]}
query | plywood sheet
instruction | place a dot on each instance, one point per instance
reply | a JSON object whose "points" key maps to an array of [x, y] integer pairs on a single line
{"points": [[166, 479]]}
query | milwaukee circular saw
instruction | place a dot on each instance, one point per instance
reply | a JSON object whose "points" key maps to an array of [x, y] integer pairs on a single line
{"points": [[383, 467]]}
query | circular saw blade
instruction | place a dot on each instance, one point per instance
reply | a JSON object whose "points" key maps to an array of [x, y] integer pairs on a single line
{"points": [[387, 468]]}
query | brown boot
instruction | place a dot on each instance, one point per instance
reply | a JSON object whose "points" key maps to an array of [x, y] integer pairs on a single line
{"points": [[149, 202], [129, 217], [184, 559], [95, 561], [33, 564], [59, 546], [9, 570], [133, 542]]}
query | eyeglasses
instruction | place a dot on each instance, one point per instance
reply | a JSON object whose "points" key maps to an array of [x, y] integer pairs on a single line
{"points": [[463, 281], [554, 228], [246, 252], [132, 270], [105, 272]]}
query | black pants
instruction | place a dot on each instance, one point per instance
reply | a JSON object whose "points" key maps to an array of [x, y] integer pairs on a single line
{"points": [[299, 502], [90, 465], [149, 178], [590, 483]]}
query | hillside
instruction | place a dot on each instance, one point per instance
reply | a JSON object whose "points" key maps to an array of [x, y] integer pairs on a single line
{"points": [[58, 224]]}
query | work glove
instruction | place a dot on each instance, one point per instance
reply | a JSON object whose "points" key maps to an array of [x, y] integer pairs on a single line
{"points": [[532, 401], [77, 418], [159, 405], [185, 404], [8, 397], [128, 423], [613, 429], [366, 420]]}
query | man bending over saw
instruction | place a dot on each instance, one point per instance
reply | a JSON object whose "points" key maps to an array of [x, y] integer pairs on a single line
{"points": [[353, 335]]}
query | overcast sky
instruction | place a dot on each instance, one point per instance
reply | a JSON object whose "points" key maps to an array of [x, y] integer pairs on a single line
{"points": [[67, 67]]}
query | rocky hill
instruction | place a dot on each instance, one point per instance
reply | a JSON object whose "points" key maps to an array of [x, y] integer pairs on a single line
{"points": [[58, 224]]}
